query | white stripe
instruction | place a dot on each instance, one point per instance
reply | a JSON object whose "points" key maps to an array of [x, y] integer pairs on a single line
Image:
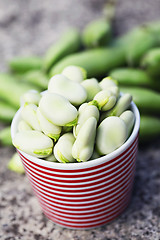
{"points": [[89, 202], [79, 173], [82, 220], [76, 198], [87, 177], [103, 188], [122, 198], [93, 181], [89, 224], [86, 215], [60, 189], [71, 201], [98, 185]]}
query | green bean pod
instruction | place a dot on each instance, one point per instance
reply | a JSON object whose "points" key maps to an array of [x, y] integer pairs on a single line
{"points": [[154, 27], [97, 62], [148, 101], [7, 112], [131, 77], [139, 45], [11, 90], [24, 64], [37, 78], [151, 62], [149, 128], [69, 43], [97, 33], [5, 136], [137, 42]]}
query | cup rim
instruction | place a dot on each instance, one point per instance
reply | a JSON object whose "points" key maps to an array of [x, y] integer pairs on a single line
{"points": [[87, 164]]}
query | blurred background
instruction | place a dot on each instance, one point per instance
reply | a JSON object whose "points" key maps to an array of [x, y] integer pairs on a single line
{"points": [[29, 28]]}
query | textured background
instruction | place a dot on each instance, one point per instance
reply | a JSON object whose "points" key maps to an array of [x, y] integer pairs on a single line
{"points": [[29, 27]]}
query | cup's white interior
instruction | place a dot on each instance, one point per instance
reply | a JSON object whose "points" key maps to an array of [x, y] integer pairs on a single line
{"points": [[90, 163]]}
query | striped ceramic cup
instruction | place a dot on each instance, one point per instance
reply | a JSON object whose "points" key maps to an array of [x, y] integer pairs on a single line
{"points": [[88, 194]]}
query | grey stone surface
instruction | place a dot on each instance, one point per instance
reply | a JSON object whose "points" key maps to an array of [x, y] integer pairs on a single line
{"points": [[29, 27]]}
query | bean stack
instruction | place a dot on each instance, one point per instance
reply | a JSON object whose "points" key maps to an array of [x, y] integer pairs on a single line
{"points": [[76, 120]]}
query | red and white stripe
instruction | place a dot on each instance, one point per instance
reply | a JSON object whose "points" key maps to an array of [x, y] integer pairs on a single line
{"points": [[84, 197]]}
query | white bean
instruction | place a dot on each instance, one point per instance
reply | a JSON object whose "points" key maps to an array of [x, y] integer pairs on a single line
{"points": [[122, 105], [89, 111], [23, 126], [129, 119], [84, 144], [63, 148], [75, 73], [111, 134], [105, 99], [34, 143], [51, 158], [31, 96], [108, 82], [92, 87], [58, 110], [71, 90], [29, 115], [47, 127]]}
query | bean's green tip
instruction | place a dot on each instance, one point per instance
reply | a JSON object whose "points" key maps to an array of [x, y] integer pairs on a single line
{"points": [[95, 103], [72, 123], [78, 160], [61, 157], [55, 137], [42, 152]]}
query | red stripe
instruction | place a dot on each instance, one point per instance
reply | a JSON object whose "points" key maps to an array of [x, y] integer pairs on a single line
{"points": [[80, 169], [88, 174], [107, 181], [81, 215], [87, 184], [87, 223], [94, 218], [86, 214], [73, 202], [82, 180], [90, 196], [82, 190], [90, 209], [104, 185], [85, 194], [82, 175], [84, 226], [86, 203]]}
